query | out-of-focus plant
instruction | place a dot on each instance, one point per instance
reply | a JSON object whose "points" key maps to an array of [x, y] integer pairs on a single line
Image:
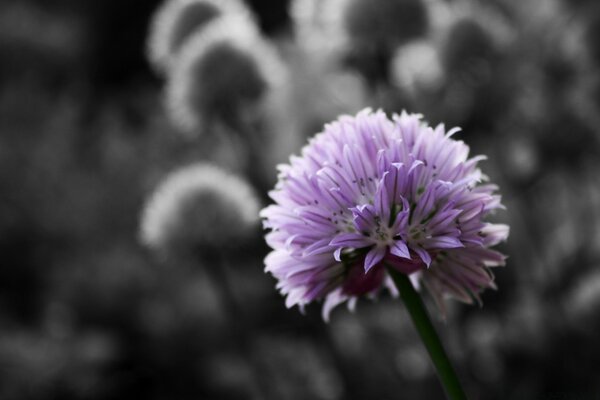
{"points": [[198, 207], [176, 20], [85, 136], [221, 76], [197, 216]]}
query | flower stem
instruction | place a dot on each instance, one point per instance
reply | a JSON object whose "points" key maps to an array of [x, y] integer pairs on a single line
{"points": [[430, 339]]}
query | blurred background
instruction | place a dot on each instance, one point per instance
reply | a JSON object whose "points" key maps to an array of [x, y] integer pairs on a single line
{"points": [[125, 275]]}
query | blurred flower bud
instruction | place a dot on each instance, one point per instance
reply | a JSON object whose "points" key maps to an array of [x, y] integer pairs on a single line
{"points": [[315, 20], [412, 363], [222, 74], [468, 44], [473, 35], [375, 29], [176, 20], [199, 206], [385, 23], [582, 303], [521, 157], [472, 45], [417, 66]]}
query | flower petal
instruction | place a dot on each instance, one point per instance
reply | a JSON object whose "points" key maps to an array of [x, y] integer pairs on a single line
{"points": [[400, 249], [351, 240], [442, 242], [374, 257], [423, 254]]}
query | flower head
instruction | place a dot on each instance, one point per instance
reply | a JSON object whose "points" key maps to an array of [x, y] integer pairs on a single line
{"points": [[468, 42], [222, 71], [369, 192], [198, 206], [176, 20], [416, 66], [315, 19], [385, 23]]}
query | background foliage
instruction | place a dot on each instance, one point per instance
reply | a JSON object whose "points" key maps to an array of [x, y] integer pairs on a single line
{"points": [[87, 313]]}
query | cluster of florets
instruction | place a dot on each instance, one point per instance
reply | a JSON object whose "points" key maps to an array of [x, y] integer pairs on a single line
{"points": [[217, 65], [370, 193], [198, 206]]}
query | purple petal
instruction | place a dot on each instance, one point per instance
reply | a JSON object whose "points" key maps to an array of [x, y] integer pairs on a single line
{"points": [[374, 257], [425, 204], [382, 201], [318, 247], [443, 242], [401, 221], [495, 233], [364, 218], [423, 254], [400, 249], [352, 240], [395, 181]]}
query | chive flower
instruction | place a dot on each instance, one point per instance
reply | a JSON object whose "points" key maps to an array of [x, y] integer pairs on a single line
{"points": [[222, 74], [176, 20], [370, 193], [385, 23], [198, 206]]}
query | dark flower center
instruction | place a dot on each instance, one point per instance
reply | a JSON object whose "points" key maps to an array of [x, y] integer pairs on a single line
{"points": [[358, 282]]}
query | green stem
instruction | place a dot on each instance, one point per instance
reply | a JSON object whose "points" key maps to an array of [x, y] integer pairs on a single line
{"points": [[430, 339]]}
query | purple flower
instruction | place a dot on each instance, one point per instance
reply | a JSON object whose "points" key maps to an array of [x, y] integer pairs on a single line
{"points": [[368, 192]]}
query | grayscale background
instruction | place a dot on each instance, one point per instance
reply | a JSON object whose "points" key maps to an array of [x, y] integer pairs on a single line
{"points": [[88, 312]]}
